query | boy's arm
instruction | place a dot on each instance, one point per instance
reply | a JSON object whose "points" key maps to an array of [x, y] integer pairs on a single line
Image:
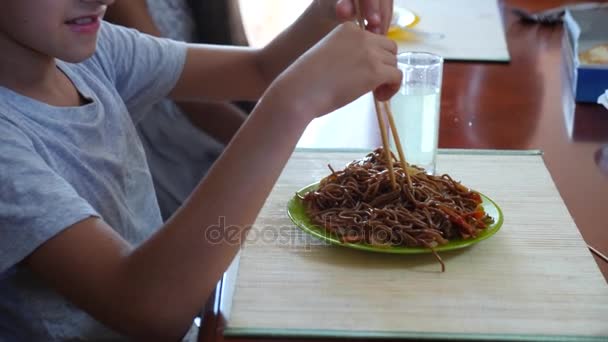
{"points": [[224, 73], [153, 292], [155, 289], [211, 72]]}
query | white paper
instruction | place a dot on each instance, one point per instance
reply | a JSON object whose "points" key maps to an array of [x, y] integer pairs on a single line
{"points": [[473, 29]]}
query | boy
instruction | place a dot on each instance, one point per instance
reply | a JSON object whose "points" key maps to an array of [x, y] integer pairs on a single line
{"points": [[83, 251]]}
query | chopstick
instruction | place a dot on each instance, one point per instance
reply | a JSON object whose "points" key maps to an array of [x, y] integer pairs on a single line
{"points": [[391, 121], [598, 253], [387, 151]]}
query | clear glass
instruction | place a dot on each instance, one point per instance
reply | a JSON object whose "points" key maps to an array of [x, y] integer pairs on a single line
{"points": [[416, 108]]}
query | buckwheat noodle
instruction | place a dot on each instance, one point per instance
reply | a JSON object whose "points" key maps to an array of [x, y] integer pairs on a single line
{"points": [[359, 205]]}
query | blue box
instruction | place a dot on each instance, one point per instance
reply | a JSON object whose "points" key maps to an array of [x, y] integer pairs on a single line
{"points": [[584, 30]]}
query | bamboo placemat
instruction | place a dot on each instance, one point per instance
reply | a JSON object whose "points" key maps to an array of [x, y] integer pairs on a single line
{"points": [[533, 280]]}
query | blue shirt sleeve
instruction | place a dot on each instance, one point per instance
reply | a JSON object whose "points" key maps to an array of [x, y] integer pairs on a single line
{"points": [[144, 69], [35, 202]]}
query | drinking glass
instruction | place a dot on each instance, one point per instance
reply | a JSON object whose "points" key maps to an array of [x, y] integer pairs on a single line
{"points": [[416, 108]]}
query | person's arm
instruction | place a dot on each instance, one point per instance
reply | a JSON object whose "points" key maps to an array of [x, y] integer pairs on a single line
{"points": [[231, 73], [221, 120], [224, 73], [153, 291]]}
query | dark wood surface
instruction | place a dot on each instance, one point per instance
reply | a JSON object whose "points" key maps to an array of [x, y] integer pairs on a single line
{"points": [[520, 105]]}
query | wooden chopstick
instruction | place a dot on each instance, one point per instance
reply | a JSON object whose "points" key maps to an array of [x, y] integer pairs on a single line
{"points": [[391, 121], [383, 132], [385, 143], [598, 253]]}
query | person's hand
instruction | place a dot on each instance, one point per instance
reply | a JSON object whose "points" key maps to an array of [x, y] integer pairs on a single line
{"points": [[346, 64], [378, 13]]}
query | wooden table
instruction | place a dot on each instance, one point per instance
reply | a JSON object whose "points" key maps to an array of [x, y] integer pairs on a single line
{"points": [[520, 105]]}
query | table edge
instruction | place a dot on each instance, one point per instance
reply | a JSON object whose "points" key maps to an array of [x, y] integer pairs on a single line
{"points": [[312, 333]]}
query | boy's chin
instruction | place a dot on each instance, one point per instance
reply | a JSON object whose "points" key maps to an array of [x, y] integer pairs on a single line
{"points": [[76, 56]]}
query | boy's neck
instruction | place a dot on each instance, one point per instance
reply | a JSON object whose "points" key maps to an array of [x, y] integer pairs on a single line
{"points": [[35, 75]]}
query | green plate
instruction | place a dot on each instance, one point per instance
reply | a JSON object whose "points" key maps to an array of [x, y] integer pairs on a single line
{"points": [[297, 213]]}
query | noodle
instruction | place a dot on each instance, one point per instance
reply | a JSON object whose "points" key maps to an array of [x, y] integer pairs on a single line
{"points": [[359, 205]]}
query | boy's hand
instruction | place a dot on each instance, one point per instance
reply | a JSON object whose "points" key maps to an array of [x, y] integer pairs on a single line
{"points": [[343, 66], [378, 13]]}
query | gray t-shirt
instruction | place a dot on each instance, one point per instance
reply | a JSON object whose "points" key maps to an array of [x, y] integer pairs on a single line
{"points": [[61, 165]]}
